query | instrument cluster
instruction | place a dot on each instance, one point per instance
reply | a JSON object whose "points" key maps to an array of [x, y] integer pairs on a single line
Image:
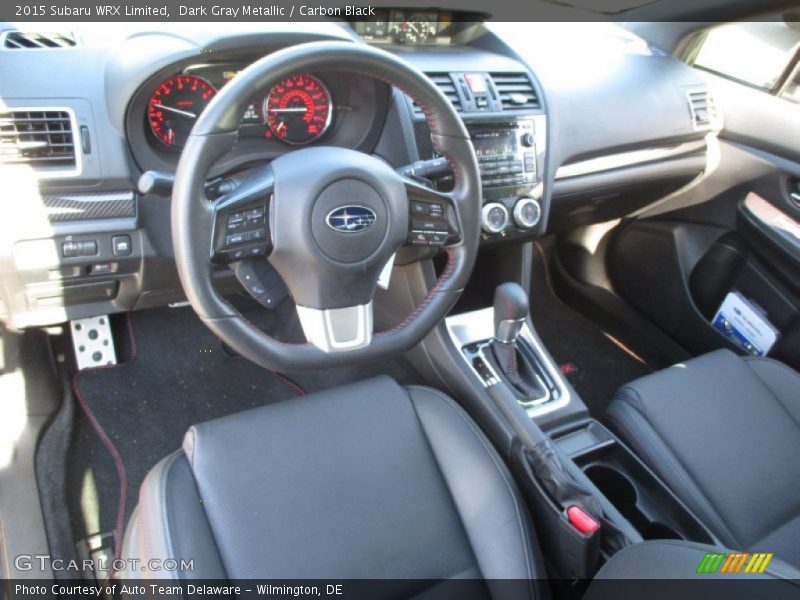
{"points": [[297, 111]]}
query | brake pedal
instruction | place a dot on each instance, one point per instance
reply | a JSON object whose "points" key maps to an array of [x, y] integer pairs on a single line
{"points": [[93, 342]]}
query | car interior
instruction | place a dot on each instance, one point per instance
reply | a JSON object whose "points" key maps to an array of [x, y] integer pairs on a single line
{"points": [[478, 307]]}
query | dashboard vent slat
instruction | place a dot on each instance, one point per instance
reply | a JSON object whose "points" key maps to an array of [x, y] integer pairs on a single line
{"points": [[445, 83], [21, 40], [42, 139], [515, 90], [703, 109]]}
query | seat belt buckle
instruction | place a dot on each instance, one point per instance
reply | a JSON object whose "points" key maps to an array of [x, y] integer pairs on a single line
{"points": [[582, 521]]}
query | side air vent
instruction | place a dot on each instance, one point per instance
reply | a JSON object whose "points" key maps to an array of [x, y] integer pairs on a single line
{"points": [[42, 139], [20, 40], [703, 109], [446, 84], [516, 91]]}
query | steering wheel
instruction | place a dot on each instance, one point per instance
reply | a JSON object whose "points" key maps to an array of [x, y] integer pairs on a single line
{"points": [[330, 219]]}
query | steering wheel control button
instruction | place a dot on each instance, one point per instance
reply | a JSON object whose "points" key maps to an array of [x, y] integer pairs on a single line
{"points": [[241, 228], [255, 216], [121, 245], [419, 225], [236, 221], [256, 234], [419, 208], [527, 212], [436, 238], [418, 238], [236, 238], [494, 217]]}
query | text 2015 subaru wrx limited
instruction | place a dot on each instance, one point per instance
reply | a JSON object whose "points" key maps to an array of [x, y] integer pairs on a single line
{"points": [[426, 305]]}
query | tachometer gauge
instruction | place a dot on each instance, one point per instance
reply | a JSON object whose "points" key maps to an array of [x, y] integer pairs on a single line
{"points": [[298, 110], [174, 107]]}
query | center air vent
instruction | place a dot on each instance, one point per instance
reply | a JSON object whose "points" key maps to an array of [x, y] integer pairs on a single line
{"points": [[445, 83], [42, 139], [19, 40], [515, 90], [703, 109]]}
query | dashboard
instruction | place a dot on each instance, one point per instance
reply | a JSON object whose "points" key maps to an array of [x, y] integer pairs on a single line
{"points": [[551, 117]]}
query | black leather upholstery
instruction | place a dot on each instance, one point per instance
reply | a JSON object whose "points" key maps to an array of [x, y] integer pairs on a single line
{"points": [[370, 480], [724, 433]]}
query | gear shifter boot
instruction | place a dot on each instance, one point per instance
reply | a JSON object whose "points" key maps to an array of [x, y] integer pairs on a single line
{"points": [[517, 371]]}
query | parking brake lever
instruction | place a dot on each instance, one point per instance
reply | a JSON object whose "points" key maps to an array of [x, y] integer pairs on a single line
{"points": [[547, 465]]}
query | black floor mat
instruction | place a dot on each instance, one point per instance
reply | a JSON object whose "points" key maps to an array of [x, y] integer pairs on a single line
{"points": [[178, 375], [595, 363]]}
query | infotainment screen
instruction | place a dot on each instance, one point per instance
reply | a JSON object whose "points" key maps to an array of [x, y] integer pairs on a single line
{"points": [[494, 142]]}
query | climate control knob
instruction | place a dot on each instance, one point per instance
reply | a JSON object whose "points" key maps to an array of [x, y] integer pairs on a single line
{"points": [[494, 217], [527, 212]]}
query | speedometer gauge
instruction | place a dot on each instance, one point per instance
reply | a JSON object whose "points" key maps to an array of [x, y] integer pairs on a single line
{"points": [[299, 109], [174, 107]]}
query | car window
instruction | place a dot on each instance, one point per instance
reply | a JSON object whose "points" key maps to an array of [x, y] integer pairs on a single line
{"points": [[754, 53]]}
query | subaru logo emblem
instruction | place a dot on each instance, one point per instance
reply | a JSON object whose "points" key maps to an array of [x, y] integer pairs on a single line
{"points": [[349, 219]]}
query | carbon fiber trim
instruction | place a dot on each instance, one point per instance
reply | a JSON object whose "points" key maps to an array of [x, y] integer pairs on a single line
{"points": [[95, 205], [422, 136]]}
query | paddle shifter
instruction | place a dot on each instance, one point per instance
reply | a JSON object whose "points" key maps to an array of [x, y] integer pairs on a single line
{"points": [[511, 309]]}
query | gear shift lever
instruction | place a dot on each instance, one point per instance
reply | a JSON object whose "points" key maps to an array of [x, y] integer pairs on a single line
{"points": [[510, 312]]}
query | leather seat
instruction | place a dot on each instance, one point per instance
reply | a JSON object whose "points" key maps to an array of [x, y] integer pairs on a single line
{"points": [[370, 480], [724, 433]]}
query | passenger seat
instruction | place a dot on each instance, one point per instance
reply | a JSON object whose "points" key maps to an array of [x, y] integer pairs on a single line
{"points": [[723, 432]]}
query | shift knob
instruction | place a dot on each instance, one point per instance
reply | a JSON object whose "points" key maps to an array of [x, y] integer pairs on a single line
{"points": [[510, 311]]}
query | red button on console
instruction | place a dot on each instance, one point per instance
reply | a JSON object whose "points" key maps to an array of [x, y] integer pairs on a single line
{"points": [[581, 520]]}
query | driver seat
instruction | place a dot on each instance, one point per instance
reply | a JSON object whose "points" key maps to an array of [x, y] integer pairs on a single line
{"points": [[369, 480]]}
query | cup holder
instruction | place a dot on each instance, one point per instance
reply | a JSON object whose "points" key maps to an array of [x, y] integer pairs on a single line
{"points": [[621, 492], [615, 486]]}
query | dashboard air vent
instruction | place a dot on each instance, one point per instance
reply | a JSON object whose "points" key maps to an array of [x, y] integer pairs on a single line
{"points": [[446, 84], [515, 90], [42, 139], [703, 109], [20, 40]]}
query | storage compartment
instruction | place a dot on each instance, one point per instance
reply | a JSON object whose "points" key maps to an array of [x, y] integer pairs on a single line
{"points": [[729, 266], [678, 274], [629, 485]]}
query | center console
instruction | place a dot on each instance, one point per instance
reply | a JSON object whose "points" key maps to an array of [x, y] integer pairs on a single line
{"points": [[589, 494], [508, 127], [506, 152]]}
